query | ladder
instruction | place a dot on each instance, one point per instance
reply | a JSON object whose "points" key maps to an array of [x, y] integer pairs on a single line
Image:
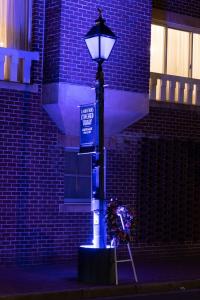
{"points": [[123, 260]]}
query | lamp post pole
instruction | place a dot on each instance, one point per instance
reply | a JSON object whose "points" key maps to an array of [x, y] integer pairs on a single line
{"points": [[100, 40], [99, 227]]}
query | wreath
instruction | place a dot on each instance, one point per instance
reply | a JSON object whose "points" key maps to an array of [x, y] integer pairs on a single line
{"points": [[120, 222]]}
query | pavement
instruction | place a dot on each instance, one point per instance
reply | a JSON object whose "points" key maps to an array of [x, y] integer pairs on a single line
{"points": [[59, 281]]}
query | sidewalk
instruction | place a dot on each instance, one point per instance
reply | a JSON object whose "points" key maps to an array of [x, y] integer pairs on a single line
{"points": [[60, 281]]}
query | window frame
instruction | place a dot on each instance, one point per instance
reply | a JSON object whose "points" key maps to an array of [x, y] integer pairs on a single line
{"points": [[176, 26], [79, 200]]}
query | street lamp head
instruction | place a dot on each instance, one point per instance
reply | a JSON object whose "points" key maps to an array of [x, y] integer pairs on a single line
{"points": [[100, 40]]}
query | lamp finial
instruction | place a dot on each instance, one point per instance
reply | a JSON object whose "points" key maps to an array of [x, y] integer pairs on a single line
{"points": [[100, 12], [100, 18]]}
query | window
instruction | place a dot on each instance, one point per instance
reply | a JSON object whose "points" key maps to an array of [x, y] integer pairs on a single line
{"points": [[77, 177], [15, 23], [157, 48], [175, 52], [15, 29], [196, 56], [178, 52]]}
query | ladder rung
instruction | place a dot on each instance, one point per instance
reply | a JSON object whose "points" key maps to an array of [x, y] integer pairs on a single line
{"points": [[123, 260]]}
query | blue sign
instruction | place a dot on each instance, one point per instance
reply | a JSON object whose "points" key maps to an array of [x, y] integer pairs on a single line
{"points": [[87, 128]]}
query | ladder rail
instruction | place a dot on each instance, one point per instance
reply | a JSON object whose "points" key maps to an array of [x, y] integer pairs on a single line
{"points": [[132, 262], [116, 267], [124, 260]]}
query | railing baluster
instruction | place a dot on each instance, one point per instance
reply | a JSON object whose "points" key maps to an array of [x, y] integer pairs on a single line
{"points": [[181, 87], [172, 86], [189, 92], [163, 89], [14, 67], [27, 70], [153, 85], [198, 94]]}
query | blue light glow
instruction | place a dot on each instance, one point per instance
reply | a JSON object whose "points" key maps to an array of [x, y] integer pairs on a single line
{"points": [[93, 246]]}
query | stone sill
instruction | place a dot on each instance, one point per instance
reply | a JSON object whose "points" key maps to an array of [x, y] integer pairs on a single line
{"points": [[75, 207], [8, 85]]}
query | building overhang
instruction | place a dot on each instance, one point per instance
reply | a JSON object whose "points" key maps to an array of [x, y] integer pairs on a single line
{"points": [[122, 108]]}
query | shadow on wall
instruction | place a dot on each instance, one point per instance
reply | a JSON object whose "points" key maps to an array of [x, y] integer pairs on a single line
{"points": [[168, 184]]}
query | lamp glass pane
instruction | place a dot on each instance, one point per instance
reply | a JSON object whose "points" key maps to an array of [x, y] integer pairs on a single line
{"points": [[93, 46], [106, 46]]}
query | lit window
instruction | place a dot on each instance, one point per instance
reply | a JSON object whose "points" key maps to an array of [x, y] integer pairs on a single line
{"points": [[77, 177], [157, 48], [175, 52], [196, 56], [178, 52], [15, 29], [15, 23]]}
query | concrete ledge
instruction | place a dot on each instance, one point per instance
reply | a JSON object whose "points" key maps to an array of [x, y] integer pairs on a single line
{"points": [[174, 106], [122, 108], [9, 85]]}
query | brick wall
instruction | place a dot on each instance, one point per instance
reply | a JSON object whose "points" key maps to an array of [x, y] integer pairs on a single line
{"points": [[190, 8], [67, 58], [155, 167], [32, 175], [52, 40]]}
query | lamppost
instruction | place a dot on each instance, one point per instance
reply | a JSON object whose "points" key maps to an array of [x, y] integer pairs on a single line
{"points": [[100, 41], [96, 262]]}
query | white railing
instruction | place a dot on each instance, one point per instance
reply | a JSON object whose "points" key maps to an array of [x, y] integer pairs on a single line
{"points": [[175, 89], [11, 60]]}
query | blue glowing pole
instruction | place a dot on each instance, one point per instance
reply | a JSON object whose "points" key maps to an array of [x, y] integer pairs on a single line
{"points": [[98, 172]]}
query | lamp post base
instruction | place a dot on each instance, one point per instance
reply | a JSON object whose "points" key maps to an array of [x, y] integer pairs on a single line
{"points": [[96, 265]]}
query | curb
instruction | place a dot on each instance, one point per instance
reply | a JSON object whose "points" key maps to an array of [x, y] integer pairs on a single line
{"points": [[110, 291]]}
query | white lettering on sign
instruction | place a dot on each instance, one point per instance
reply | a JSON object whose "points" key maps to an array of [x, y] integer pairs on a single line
{"points": [[87, 116], [87, 110], [87, 130], [87, 122]]}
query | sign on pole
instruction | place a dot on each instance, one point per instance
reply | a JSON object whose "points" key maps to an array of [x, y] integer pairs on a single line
{"points": [[88, 128]]}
